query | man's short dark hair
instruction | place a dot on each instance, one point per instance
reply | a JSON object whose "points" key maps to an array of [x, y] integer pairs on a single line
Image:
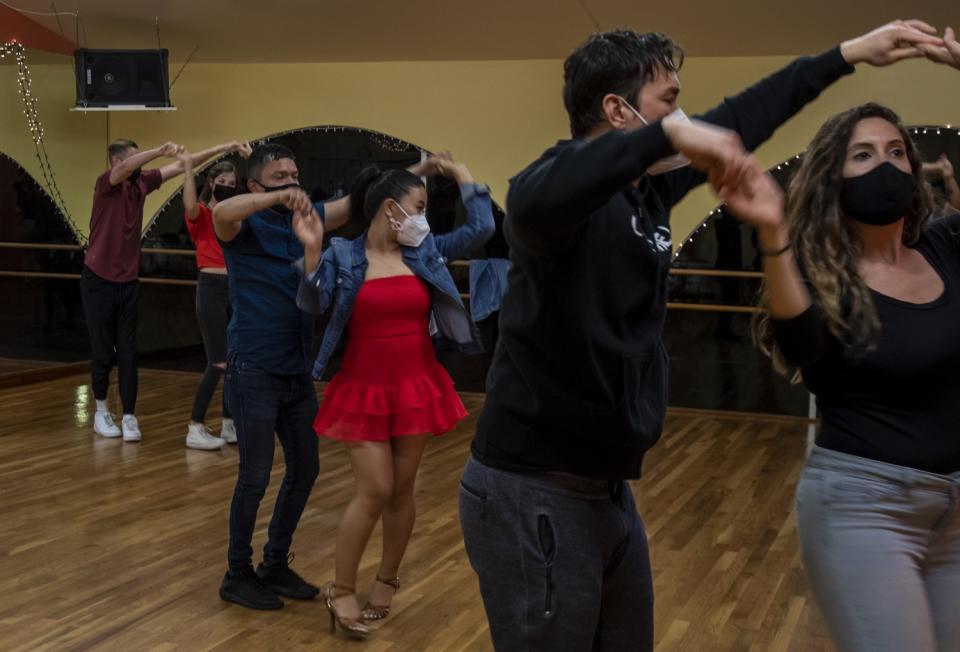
{"points": [[619, 62], [263, 154], [120, 146]]}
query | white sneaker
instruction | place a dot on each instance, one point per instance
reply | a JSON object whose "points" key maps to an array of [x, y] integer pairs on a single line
{"points": [[200, 438], [131, 429], [228, 432], [104, 426]]}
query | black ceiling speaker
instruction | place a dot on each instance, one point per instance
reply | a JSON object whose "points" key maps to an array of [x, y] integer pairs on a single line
{"points": [[122, 78]]}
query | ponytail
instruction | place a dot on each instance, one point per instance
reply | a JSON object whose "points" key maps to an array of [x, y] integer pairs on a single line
{"points": [[372, 187], [359, 192]]}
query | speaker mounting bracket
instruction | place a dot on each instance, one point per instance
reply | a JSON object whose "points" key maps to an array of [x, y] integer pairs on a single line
{"points": [[122, 107]]}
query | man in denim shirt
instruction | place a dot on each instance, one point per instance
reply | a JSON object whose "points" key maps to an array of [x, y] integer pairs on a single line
{"points": [[271, 391]]}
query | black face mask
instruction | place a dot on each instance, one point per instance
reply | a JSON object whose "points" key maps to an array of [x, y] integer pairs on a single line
{"points": [[880, 197], [134, 175], [221, 192], [280, 208]]}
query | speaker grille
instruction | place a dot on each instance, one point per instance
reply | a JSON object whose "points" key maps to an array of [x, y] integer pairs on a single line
{"points": [[122, 77]]}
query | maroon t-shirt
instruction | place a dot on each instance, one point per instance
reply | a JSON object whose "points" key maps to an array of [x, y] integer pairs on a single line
{"points": [[115, 226]]}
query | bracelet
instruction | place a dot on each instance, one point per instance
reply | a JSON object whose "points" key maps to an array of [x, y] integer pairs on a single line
{"points": [[778, 252]]}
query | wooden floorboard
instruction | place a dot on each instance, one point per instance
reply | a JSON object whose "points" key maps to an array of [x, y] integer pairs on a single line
{"points": [[113, 546]]}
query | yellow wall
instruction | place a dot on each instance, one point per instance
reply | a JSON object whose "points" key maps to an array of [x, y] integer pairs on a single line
{"points": [[495, 115], [75, 142]]}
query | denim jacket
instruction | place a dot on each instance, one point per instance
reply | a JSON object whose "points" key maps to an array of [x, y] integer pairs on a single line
{"points": [[343, 268], [488, 284]]}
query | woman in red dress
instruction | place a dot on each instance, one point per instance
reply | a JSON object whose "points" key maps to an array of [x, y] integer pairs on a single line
{"points": [[387, 289]]}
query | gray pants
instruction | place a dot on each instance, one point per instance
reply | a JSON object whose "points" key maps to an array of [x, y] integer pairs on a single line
{"points": [[881, 547], [562, 560]]}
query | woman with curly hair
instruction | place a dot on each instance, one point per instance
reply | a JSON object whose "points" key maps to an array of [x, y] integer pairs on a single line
{"points": [[862, 300]]}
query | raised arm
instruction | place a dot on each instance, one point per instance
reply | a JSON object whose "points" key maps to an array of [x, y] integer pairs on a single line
{"points": [[758, 111], [317, 271], [196, 160], [191, 206], [759, 202], [548, 201], [943, 168], [229, 214], [309, 229], [948, 54], [122, 170], [479, 227], [953, 188]]}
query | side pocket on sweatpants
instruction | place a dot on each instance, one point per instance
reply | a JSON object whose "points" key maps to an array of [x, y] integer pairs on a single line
{"points": [[548, 547], [473, 514], [471, 494]]}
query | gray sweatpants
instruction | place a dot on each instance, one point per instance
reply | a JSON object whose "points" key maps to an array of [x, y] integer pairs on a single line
{"points": [[562, 560], [881, 547]]}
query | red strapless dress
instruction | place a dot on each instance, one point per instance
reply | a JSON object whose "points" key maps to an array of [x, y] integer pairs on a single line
{"points": [[390, 382]]}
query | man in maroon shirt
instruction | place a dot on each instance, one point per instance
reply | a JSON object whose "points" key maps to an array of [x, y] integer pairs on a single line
{"points": [[109, 283]]}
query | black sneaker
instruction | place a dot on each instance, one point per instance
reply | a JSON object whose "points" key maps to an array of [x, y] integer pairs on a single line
{"points": [[244, 588], [282, 580]]}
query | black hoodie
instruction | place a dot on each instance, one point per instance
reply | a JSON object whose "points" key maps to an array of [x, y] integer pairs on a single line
{"points": [[578, 380]]}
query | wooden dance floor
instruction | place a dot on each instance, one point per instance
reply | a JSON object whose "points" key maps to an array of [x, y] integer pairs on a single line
{"points": [[114, 546]]}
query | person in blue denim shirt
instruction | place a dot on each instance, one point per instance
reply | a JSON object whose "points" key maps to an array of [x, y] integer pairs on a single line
{"points": [[390, 289], [270, 389]]}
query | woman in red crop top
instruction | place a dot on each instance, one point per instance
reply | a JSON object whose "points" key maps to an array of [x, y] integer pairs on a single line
{"points": [[213, 299]]}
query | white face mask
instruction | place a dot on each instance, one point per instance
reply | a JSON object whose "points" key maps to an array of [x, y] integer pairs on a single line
{"points": [[412, 231], [674, 162]]}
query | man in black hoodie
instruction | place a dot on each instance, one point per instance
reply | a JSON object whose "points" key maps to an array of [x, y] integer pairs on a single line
{"points": [[576, 392]]}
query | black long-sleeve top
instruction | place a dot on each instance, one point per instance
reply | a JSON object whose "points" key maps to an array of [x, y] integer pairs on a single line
{"points": [[901, 403], [578, 380]]}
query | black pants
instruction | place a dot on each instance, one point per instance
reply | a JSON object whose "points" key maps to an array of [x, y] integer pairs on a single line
{"points": [[264, 404], [111, 312], [562, 560], [213, 315]]}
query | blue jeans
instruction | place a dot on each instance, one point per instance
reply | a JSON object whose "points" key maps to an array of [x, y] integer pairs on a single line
{"points": [[881, 547], [562, 560], [264, 404]]}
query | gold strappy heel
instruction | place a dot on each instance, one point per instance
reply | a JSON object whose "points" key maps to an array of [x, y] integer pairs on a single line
{"points": [[379, 612], [353, 628]]}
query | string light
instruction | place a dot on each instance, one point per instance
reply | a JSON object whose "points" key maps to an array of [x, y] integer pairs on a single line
{"points": [[390, 143], [386, 142], [938, 129], [24, 86]]}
